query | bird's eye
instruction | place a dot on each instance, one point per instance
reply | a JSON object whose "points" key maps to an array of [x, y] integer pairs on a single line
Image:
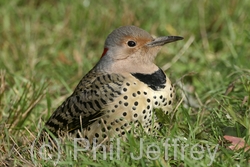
{"points": [[131, 43]]}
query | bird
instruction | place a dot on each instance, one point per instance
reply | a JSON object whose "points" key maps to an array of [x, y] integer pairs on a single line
{"points": [[121, 91]]}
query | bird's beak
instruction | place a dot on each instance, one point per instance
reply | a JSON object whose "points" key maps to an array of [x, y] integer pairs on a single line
{"points": [[163, 40]]}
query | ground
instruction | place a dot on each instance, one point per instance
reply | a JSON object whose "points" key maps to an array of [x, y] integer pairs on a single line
{"points": [[46, 47]]}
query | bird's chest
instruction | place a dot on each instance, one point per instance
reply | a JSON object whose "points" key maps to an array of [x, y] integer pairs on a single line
{"points": [[140, 95], [135, 105], [158, 87]]}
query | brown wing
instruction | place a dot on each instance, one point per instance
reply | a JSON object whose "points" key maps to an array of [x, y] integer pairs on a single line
{"points": [[88, 102]]}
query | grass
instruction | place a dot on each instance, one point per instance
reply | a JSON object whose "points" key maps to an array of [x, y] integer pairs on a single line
{"points": [[46, 47]]}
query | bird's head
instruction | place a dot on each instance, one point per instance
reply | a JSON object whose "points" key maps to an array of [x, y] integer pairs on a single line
{"points": [[131, 49]]}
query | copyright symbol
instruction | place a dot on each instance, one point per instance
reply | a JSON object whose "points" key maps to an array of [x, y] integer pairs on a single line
{"points": [[45, 152]]}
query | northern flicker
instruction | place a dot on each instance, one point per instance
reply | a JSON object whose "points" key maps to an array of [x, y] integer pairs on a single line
{"points": [[122, 89]]}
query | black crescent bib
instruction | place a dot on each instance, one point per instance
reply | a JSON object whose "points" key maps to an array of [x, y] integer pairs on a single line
{"points": [[155, 81]]}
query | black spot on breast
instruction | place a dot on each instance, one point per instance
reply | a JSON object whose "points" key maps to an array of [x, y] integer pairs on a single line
{"points": [[155, 80], [96, 135]]}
